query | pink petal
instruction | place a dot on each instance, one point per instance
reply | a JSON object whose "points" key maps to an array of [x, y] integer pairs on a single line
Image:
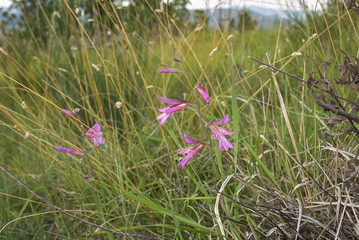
{"points": [[164, 109], [188, 150], [96, 127], [204, 94], [68, 150], [169, 101], [176, 108], [163, 117], [224, 121], [184, 161], [225, 143], [166, 70], [223, 131], [188, 139], [159, 117], [98, 141]]}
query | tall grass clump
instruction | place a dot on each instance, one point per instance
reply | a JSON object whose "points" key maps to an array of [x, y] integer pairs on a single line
{"points": [[285, 177]]}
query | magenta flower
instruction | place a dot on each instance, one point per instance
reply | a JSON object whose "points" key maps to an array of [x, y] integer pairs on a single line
{"points": [[95, 133], [72, 114], [175, 105], [219, 133], [167, 70], [88, 176], [68, 150], [191, 151], [204, 94]]}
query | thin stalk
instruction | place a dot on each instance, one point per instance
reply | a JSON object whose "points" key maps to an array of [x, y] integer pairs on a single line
{"points": [[204, 127]]}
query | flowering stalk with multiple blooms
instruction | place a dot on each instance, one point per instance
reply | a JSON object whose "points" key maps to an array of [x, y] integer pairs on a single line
{"points": [[176, 105], [94, 133]]}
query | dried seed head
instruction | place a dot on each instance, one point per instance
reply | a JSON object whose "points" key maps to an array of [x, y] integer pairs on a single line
{"points": [[213, 51], [96, 66], [57, 14], [198, 28], [215, 7], [23, 105], [27, 134], [118, 105], [294, 54], [229, 37], [3, 51]]}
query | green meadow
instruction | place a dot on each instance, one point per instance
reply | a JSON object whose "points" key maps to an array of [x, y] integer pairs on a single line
{"points": [[285, 178]]}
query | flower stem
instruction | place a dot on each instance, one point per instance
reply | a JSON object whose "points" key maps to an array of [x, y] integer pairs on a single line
{"points": [[204, 127]]}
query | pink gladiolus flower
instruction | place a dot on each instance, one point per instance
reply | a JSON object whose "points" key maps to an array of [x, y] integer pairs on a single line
{"points": [[204, 94], [191, 151], [167, 70], [219, 133], [95, 133], [175, 105], [68, 150], [72, 114]]}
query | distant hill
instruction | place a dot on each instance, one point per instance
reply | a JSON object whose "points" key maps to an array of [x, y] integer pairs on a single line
{"points": [[267, 17]]}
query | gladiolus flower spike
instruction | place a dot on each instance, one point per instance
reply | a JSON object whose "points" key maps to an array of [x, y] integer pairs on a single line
{"points": [[219, 133], [174, 106], [68, 150], [95, 134], [191, 151]]}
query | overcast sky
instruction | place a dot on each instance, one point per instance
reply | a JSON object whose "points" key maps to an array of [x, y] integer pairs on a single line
{"points": [[200, 4]]}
